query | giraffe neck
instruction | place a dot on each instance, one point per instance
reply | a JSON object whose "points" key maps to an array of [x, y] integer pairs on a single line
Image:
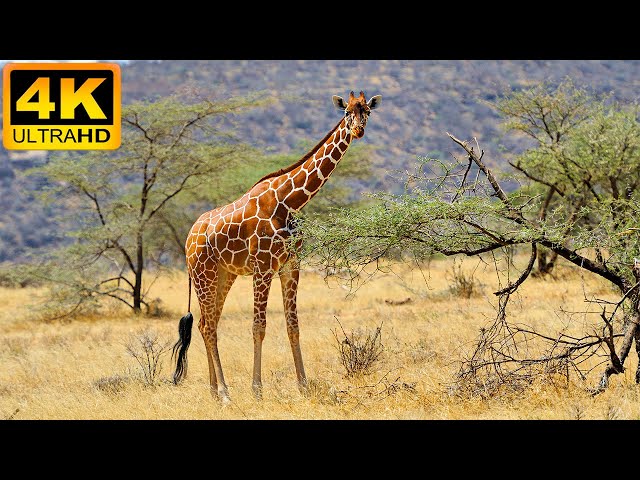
{"points": [[304, 182]]}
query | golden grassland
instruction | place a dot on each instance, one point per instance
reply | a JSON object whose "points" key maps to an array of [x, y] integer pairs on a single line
{"points": [[81, 369]]}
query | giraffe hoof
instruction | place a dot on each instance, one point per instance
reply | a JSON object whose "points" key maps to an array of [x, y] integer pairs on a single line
{"points": [[222, 396], [304, 389], [257, 391]]}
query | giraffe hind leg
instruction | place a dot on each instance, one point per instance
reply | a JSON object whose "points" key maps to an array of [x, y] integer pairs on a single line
{"points": [[212, 292]]}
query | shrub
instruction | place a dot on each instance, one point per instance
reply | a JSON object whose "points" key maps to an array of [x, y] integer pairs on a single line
{"points": [[360, 350], [462, 284], [147, 350]]}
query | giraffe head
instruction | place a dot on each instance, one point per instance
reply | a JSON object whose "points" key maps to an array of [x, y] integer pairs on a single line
{"points": [[356, 111]]}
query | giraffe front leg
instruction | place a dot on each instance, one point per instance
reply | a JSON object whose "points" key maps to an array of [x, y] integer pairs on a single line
{"points": [[289, 278], [261, 286]]}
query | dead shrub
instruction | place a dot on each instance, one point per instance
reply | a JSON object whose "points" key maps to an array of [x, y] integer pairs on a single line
{"points": [[147, 350], [112, 385], [360, 350], [462, 284]]}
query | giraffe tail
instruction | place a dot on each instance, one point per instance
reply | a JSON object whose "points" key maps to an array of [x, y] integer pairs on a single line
{"points": [[182, 345]]}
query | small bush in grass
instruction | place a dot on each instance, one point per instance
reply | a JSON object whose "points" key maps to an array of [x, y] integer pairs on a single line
{"points": [[147, 350], [462, 284], [156, 309], [359, 351], [114, 384]]}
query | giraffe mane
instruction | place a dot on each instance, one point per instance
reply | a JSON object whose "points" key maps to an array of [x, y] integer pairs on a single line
{"points": [[306, 156]]}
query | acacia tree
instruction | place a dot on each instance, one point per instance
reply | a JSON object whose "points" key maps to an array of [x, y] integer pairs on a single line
{"points": [[121, 201], [592, 221]]}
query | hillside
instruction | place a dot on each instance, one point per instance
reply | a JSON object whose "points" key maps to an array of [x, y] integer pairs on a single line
{"points": [[422, 99]]}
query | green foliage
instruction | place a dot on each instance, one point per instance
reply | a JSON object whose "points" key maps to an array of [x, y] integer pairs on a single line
{"points": [[418, 224], [546, 112], [587, 168]]}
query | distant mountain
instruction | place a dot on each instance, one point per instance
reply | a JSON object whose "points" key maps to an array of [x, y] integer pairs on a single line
{"points": [[421, 100]]}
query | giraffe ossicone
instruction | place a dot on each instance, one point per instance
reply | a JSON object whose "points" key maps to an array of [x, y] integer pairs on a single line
{"points": [[249, 237]]}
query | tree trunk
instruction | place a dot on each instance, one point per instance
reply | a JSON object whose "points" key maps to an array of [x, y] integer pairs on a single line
{"points": [[545, 266], [631, 331], [137, 286], [546, 262], [638, 352]]}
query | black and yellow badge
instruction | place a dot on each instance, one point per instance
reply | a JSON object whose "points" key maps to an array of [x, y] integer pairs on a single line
{"points": [[61, 106]]}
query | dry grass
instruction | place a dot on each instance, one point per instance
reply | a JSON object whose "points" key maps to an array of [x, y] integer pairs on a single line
{"points": [[82, 370]]}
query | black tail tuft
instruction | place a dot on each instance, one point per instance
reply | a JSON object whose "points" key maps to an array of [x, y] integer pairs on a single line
{"points": [[181, 346]]}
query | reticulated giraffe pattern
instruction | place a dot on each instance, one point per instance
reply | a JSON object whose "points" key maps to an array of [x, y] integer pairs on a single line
{"points": [[249, 237]]}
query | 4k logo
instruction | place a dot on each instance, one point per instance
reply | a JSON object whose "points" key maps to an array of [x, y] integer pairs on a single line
{"points": [[61, 106]]}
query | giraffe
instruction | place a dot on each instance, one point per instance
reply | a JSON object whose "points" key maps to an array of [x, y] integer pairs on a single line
{"points": [[248, 237]]}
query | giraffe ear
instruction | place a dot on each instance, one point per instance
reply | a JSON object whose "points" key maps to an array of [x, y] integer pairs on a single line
{"points": [[338, 102], [374, 102]]}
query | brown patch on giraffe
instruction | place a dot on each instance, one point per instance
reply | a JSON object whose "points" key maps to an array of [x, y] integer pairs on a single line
{"points": [[280, 216], [226, 256], [248, 227], [314, 183], [343, 146], [300, 178], [297, 197], [279, 258], [278, 182], [284, 190], [275, 263], [240, 257], [265, 243], [253, 244], [264, 228], [259, 189], [203, 227], [335, 154], [236, 245], [250, 209], [320, 153], [215, 227], [220, 242], [234, 230], [266, 201], [191, 246], [327, 167], [280, 245], [227, 210], [263, 261]]}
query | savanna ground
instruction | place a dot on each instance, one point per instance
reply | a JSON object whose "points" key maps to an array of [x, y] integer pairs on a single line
{"points": [[82, 368]]}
